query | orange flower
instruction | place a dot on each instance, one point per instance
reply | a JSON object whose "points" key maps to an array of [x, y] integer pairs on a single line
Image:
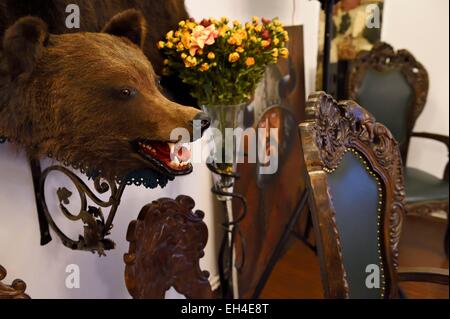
{"points": [[161, 45], [284, 53], [232, 41], [211, 56], [275, 53], [250, 61], [190, 62], [240, 50], [233, 57], [186, 39], [204, 67], [240, 35], [265, 43], [223, 30], [191, 25], [180, 46], [169, 35]]}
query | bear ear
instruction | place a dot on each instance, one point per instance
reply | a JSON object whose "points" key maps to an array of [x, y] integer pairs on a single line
{"points": [[23, 44], [130, 24]]}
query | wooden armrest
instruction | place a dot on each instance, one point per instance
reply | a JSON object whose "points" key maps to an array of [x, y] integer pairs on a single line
{"points": [[439, 138], [423, 274]]}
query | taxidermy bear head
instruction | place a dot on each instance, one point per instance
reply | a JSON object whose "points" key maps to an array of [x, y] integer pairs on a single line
{"points": [[90, 99]]}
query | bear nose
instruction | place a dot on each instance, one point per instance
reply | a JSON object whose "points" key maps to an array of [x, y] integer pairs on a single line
{"points": [[205, 121]]}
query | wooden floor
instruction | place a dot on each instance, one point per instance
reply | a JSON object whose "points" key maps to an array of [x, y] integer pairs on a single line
{"points": [[297, 274]]}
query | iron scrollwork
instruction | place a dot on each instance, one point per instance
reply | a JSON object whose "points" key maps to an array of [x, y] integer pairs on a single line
{"points": [[96, 228]]}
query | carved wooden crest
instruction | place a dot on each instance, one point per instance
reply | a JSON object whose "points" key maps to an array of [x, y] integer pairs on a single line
{"points": [[331, 129], [166, 244], [383, 58], [14, 291]]}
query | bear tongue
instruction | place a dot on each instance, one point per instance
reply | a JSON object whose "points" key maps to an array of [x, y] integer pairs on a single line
{"points": [[183, 154]]}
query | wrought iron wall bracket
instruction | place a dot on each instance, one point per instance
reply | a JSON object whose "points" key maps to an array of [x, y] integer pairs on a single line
{"points": [[95, 227]]}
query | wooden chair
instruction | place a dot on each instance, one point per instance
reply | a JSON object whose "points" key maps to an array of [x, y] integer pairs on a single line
{"points": [[393, 86], [166, 244], [14, 291], [356, 197]]}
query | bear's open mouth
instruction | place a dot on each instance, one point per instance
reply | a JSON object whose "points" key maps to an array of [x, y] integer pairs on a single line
{"points": [[169, 158]]}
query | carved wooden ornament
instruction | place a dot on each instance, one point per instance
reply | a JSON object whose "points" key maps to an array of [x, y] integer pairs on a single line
{"points": [[166, 244], [14, 291]]}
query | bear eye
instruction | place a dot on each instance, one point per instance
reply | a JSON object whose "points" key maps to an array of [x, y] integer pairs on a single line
{"points": [[127, 92]]}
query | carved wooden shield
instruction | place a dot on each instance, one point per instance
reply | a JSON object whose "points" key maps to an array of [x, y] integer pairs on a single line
{"points": [[279, 103]]}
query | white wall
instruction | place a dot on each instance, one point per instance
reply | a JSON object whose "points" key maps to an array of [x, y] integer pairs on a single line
{"points": [[421, 26], [43, 268]]}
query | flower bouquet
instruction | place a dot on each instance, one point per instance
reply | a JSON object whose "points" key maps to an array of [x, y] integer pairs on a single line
{"points": [[223, 62]]}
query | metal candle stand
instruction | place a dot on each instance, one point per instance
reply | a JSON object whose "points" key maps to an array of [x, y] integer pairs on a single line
{"points": [[232, 230]]}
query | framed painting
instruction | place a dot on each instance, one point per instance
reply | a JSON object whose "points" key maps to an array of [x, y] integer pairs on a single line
{"points": [[279, 102]]}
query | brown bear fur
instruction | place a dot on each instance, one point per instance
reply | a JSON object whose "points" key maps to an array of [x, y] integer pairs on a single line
{"points": [[62, 94], [161, 16]]}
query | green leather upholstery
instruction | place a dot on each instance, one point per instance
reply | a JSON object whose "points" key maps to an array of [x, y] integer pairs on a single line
{"points": [[354, 195], [421, 186], [388, 97]]}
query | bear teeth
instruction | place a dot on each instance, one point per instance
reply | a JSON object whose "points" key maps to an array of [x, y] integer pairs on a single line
{"points": [[175, 161], [172, 147], [147, 147]]}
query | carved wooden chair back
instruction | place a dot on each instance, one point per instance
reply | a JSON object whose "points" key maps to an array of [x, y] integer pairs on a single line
{"points": [[14, 291], [166, 245], [354, 174], [393, 86]]}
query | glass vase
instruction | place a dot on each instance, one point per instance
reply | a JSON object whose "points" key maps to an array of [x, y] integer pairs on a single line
{"points": [[222, 141]]}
